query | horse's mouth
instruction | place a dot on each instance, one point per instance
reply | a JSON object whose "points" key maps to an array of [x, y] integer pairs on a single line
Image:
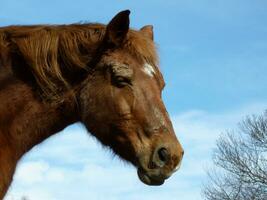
{"points": [[148, 179]]}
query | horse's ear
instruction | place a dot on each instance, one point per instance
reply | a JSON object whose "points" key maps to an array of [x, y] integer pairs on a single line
{"points": [[148, 31], [118, 28]]}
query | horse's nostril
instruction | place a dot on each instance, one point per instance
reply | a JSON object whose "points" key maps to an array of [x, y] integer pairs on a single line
{"points": [[163, 154]]}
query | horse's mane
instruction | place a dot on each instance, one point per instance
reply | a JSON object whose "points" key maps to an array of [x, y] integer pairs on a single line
{"points": [[48, 50]]}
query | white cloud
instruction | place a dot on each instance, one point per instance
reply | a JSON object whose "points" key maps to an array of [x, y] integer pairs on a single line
{"points": [[32, 172], [72, 165], [198, 131]]}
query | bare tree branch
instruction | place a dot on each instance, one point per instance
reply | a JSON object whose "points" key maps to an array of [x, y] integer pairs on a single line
{"points": [[240, 161]]}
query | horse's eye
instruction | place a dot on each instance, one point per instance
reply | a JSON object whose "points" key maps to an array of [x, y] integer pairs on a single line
{"points": [[121, 81], [121, 74]]}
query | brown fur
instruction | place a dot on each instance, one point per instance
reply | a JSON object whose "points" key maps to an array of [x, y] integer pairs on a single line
{"points": [[43, 67], [45, 48]]}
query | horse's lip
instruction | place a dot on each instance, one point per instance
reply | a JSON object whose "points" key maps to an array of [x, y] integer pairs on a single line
{"points": [[148, 180]]}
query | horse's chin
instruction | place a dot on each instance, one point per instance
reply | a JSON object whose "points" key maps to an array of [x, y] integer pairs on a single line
{"points": [[148, 180]]}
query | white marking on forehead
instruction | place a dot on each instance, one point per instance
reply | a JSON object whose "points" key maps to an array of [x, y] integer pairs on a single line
{"points": [[149, 69]]}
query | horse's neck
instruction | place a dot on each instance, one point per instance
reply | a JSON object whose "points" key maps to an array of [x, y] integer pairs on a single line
{"points": [[25, 122]]}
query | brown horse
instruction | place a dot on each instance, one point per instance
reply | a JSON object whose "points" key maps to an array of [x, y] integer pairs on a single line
{"points": [[106, 77]]}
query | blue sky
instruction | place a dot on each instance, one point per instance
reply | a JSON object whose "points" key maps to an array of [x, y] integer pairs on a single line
{"points": [[213, 57]]}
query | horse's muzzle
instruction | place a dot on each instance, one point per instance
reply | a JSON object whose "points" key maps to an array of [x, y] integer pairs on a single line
{"points": [[151, 178], [160, 167]]}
